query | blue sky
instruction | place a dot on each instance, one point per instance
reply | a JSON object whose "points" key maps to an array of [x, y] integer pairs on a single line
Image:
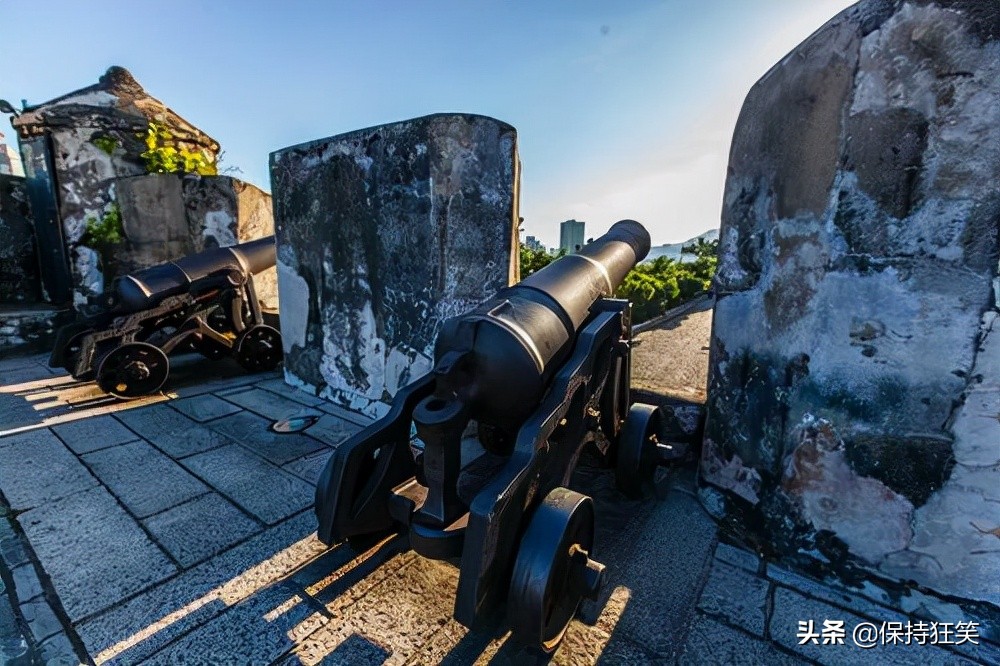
{"points": [[623, 108]]}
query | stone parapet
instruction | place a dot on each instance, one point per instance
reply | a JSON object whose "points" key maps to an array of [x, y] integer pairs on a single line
{"points": [[382, 234]]}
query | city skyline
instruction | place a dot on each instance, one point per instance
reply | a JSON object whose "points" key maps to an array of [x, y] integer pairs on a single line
{"points": [[622, 111]]}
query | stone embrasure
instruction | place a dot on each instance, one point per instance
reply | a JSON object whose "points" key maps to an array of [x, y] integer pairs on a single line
{"points": [[854, 386], [382, 234]]}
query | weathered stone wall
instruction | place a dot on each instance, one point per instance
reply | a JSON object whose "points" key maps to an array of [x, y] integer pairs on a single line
{"points": [[167, 216], [854, 386], [19, 280], [383, 233], [98, 136]]}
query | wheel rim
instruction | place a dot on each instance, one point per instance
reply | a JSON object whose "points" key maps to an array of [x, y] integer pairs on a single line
{"points": [[133, 369], [553, 571], [259, 349], [636, 465]]}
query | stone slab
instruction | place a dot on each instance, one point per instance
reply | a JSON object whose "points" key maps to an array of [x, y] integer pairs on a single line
{"points": [[203, 408], [256, 485], [26, 583], [267, 404], [200, 528], [790, 608], [143, 479], [661, 557], [258, 630], [309, 467], [93, 551], [95, 433], [711, 643], [130, 632], [737, 596], [737, 557], [170, 431], [381, 234], [42, 622], [38, 468], [252, 432]]}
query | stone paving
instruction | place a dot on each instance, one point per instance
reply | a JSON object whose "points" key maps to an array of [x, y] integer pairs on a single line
{"points": [[179, 529]]}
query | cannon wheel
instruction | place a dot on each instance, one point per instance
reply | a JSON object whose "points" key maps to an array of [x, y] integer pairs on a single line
{"points": [[637, 451], [132, 370], [259, 348], [553, 571]]}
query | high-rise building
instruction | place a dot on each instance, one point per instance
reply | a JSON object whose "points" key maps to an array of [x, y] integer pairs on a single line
{"points": [[533, 243], [571, 235]]}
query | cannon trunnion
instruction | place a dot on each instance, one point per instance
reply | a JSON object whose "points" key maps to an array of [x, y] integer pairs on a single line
{"points": [[520, 386], [205, 301]]}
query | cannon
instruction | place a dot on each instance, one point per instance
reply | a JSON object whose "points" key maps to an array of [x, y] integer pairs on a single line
{"points": [[205, 302], [520, 386]]}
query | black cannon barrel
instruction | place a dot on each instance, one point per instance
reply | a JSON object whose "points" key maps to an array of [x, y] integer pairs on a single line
{"points": [[511, 345], [145, 288]]}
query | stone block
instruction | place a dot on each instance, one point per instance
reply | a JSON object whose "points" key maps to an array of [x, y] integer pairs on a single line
{"points": [[133, 630], [267, 404], [92, 434], [26, 582], [382, 234], [93, 551], [259, 487], [58, 651], [42, 622], [309, 467], [192, 531], [258, 630], [170, 431], [737, 596], [38, 468], [790, 608], [711, 643], [252, 432], [660, 558], [737, 557], [142, 478], [203, 408], [858, 252], [19, 279]]}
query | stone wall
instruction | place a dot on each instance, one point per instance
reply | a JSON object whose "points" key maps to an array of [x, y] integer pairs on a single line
{"points": [[854, 386], [19, 280], [96, 136], [167, 216], [383, 233]]}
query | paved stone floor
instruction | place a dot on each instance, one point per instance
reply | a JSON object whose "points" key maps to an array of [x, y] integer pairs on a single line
{"points": [[178, 529]]}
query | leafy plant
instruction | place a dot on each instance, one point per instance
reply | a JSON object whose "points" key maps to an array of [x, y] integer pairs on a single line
{"points": [[106, 143], [164, 156], [654, 286], [104, 236]]}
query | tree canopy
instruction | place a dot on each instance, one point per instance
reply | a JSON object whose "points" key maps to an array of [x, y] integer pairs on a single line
{"points": [[654, 286]]}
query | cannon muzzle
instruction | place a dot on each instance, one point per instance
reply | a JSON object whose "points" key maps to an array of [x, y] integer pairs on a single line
{"points": [[499, 358], [145, 288]]}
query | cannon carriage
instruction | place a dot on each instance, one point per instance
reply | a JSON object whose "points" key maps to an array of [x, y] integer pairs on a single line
{"points": [[204, 302], [521, 386]]}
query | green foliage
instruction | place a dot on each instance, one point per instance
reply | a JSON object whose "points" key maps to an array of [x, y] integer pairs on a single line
{"points": [[533, 260], [104, 236], [163, 156], [656, 286], [105, 143], [106, 232]]}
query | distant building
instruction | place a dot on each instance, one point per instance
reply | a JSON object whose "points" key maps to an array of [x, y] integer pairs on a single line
{"points": [[571, 234], [10, 161], [534, 244]]}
